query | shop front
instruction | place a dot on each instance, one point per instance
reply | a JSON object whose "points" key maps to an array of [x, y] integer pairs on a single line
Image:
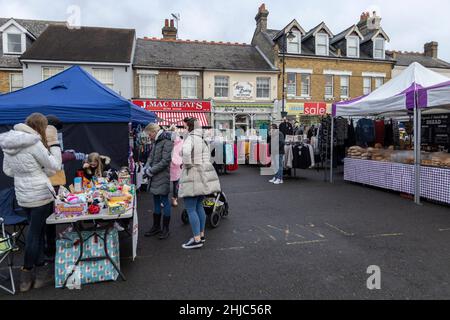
{"points": [[244, 118], [172, 112], [308, 113]]}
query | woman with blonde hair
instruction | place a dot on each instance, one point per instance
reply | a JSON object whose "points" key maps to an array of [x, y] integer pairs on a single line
{"points": [[157, 169], [96, 166], [32, 154]]}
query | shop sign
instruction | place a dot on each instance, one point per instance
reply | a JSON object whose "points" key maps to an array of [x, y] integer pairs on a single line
{"points": [[243, 110], [243, 90], [174, 105], [309, 108]]}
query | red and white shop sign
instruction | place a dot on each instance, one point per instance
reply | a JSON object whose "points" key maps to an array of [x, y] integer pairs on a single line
{"points": [[174, 105], [315, 109]]}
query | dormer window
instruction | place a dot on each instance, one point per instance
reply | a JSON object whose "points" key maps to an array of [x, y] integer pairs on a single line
{"points": [[14, 43], [353, 47], [378, 48], [322, 44], [294, 42]]}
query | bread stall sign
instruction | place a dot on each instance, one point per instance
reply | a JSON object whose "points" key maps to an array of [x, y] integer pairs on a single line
{"points": [[243, 90]]}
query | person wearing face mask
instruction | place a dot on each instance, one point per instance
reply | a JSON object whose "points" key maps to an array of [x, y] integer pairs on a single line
{"points": [[157, 169]]}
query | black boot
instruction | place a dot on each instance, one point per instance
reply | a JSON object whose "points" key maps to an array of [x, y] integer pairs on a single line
{"points": [[156, 229], [165, 232]]}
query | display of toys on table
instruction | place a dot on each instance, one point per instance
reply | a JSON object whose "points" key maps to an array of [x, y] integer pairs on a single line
{"points": [[95, 197]]}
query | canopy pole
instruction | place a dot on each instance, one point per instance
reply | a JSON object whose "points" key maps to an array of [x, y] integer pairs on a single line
{"points": [[417, 153], [331, 149]]}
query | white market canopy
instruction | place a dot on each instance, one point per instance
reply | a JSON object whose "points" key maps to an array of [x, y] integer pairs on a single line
{"points": [[396, 96], [437, 96]]}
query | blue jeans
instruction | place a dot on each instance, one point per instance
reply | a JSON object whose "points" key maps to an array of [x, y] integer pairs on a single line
{"points": [[35, 241], [279, 174], [157, 200], [196, 213]]}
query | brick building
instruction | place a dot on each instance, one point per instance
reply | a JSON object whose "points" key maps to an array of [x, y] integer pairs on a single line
{"points": [[226, 85], [322, 67], [16, 36]]}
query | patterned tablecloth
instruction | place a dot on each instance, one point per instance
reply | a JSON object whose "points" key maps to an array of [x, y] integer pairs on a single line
{"points": [[434, 182]]}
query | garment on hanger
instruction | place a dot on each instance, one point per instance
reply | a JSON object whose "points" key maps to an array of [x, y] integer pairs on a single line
{"points": [[365, 132], [379, 131]]}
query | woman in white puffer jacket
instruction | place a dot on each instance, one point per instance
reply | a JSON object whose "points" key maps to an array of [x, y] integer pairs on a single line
{"points": [[32, 154]]}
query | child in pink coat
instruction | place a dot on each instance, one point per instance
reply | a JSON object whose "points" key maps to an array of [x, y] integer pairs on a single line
{"points": [[175, 165]]}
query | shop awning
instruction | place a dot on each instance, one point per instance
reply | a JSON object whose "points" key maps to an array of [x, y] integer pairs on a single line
{"points": [[167, 118]]}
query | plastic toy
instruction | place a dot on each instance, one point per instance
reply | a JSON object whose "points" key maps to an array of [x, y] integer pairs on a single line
{"points": [[94, 209]]}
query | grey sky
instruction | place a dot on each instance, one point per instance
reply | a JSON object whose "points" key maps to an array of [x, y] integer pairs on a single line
{"points": [[409, 23]]}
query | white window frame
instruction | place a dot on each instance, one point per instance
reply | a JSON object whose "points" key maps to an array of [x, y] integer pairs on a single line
{"points": [[258, 83], [308, 86], [292, 85], [108, 84], [365, 79], [377, 85], [347, 95], [383, 55], [356, 38], [222, 87], [323, 35], [329, 96], [297, 41], [153, 89], [11, 75], [6, 43], [186, 87], [51, 74]]}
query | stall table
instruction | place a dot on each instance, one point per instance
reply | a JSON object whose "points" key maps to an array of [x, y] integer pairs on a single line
{"points": [[434, 181]]}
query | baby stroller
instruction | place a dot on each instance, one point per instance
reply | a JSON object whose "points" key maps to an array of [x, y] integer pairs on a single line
{"points": [[216, 207]]}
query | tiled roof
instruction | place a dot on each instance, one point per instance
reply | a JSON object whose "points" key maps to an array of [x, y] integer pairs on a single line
{"points": [[34, 27], [87, 44], [406, 58], [199, 55]]}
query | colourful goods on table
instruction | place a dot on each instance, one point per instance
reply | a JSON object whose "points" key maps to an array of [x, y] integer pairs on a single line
{"points": [[93, 197]]}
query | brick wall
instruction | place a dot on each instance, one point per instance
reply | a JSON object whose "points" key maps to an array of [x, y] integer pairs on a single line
{"points": [[318, 78], [168, 85], [5, 80]]}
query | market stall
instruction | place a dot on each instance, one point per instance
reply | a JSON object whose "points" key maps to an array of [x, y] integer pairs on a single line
{"points": [[89, 255], [95, 117], [397, 98]]}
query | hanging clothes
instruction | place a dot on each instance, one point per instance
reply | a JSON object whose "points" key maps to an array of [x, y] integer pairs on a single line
{"points": [[229, 154], [311, 154], [388, 134], [365, 132], [379, 132], [351, 135]]}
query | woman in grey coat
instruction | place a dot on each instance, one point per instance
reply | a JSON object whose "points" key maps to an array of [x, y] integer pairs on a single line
{"points": [[158, 171], [198, 179]]}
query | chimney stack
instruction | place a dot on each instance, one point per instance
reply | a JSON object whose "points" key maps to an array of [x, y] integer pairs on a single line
{"points": [[169, 31], [431, 49], [261, 18], [367, 22]]}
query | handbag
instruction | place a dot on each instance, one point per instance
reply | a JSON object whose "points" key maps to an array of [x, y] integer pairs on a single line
{"points": [[59, 179]]}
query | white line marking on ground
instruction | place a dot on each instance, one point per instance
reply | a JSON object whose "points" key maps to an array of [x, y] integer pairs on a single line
{"points": [[305, 242], [270, 236], [286, 232], [234, 248], [386, 235], [341, 231], [442, 230], [313, 232]]}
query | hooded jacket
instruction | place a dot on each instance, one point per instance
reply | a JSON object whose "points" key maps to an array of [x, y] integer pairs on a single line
{"points": [[28, 161], [158, 163], [198, 177]]}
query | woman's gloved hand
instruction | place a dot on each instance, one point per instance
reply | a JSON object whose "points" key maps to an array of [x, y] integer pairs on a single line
{"points": [[52, 136]]}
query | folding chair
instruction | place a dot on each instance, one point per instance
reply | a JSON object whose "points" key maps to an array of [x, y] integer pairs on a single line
{"points": [[7, 246], [11, 213]]}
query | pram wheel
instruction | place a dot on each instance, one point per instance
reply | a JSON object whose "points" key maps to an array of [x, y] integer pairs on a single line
{"points": [[184, 217], [214, 218]]}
